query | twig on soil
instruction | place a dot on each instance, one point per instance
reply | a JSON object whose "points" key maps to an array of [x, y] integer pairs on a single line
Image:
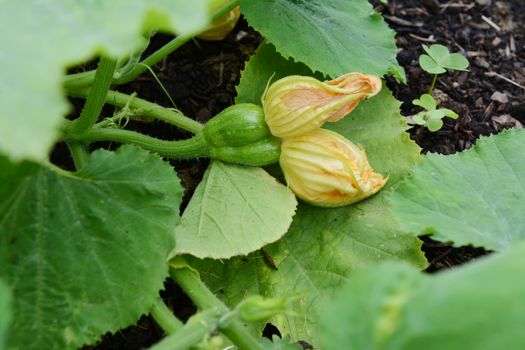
{"points": [[430, 39], [494, 74], [490, 23]]}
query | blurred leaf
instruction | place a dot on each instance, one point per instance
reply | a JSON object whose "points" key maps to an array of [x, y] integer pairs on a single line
{"points": [[41, 38], [395, 307]]}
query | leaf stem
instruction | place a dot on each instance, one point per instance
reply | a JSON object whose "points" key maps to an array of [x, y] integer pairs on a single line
{"points": [[148, 109], [165, 318], [79, 153], [192, 333], [96, 97], [203, 298], [433, 84], [194, 147]]}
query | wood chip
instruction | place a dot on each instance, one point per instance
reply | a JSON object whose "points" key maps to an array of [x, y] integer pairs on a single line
{"points": [[507, 121], [496, 41], [500, 97]]}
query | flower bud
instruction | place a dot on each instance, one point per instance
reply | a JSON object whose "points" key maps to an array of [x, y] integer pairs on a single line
{"points": [[222, 26], [325, 169], [257, 308], [297, 104]]}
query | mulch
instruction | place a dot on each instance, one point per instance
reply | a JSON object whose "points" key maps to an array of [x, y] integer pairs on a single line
{"points": [[201, 78]]}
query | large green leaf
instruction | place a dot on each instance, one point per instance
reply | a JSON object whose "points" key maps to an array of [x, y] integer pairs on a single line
{"points": [[5, 312], [41, 37], [324, 246], [85, 252], [334, 37], [478, 306], [474, 197], [234, 211]]}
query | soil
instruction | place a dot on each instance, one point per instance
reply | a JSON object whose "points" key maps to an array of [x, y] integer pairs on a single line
{"points": [[201, 78]]}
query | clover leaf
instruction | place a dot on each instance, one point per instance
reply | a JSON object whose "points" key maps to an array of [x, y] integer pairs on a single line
{"points": [[431, 117], [438, 59]]}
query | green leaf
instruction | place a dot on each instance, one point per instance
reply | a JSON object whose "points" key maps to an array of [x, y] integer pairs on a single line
{"points": [[474, 197], [434, 124], [440, 58], [334, 37], [325, 246], [234, 211], [449, 113], [41, 38], [430, 66], [426, 101], [437, 52], [85, 252], [419, 118], [5, 313], [456, 61], [395, 307]]}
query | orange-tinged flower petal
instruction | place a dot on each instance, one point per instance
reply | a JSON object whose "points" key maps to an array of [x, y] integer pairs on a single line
{"points": [[297, 104], [325, 169], [223, 26]]}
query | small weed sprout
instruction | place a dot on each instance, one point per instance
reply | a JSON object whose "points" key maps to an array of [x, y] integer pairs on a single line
{"points": [[431, 116], [436, 61]]}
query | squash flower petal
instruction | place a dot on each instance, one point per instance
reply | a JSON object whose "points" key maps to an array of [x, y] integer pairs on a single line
{"points": [[298, 104], [325, 169]]}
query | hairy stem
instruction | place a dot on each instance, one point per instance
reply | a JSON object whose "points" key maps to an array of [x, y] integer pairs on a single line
{"points": [[147, 109], [165, 318], [194, 147], [79, 153], [96, 96], [203, 298]]}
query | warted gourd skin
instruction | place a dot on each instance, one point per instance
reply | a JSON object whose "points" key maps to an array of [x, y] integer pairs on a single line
{"points": [[224, 25], [298, 104], [325, 169]]}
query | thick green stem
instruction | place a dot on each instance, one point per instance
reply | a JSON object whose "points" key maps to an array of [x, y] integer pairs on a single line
{"points": [[79, 153], [198, 328], [84, 79], [147, 109], [194, 147], [165, 318], [433, 84], [96, 97], [203, 298]]}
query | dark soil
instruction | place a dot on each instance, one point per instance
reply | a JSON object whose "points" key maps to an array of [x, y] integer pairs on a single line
{"points": [[201, 78]]}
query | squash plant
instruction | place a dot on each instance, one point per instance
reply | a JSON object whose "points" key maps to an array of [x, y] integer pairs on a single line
{"points": [[86, 252]]}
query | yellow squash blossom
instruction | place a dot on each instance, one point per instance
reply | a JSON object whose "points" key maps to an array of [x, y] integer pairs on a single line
{"points": [[297, 104], [325, 169]]}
